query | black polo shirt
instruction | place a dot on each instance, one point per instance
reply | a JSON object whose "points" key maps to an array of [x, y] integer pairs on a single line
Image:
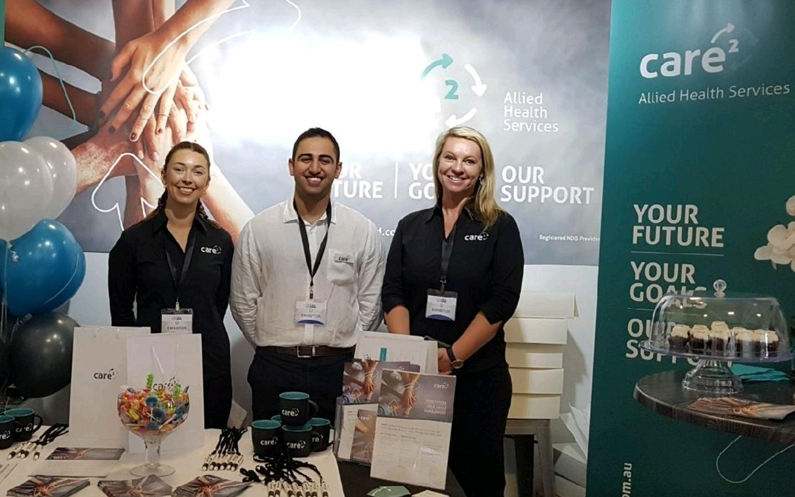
{"points": [[139, 271], [486, 269]]}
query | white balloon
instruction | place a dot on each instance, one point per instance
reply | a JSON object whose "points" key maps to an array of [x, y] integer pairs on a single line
{"points": [[25, 189], [64, 173]]}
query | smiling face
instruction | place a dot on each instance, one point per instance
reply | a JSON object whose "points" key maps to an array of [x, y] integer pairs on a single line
{"points": [[186, 177], [314, 167], [460, 166]]}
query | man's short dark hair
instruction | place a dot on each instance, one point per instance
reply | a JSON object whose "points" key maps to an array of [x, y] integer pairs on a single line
{"points": [[317, 133]]}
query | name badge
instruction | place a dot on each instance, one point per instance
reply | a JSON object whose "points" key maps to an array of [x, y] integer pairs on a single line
{"points": [[441, 305], [344, 258], [310, 312], [176, 321]]}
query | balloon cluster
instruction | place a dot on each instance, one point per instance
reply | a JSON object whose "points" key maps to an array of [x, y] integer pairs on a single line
{"points": [[41, 264], [153, 412]]}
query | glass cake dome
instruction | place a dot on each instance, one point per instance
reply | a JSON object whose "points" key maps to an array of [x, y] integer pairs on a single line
{"points": [[716, 328]]}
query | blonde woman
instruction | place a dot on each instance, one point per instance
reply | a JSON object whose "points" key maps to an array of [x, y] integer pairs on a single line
{"points": [[454, 273]]}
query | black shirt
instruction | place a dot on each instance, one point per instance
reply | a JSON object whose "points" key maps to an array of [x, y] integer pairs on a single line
{"points": [[139, 271], [486, 269]]}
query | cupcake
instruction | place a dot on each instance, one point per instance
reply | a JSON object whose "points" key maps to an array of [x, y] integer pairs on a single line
{"points": [[744, 342], [765, 342], [679, 337], [719, 325], [719, 340], [699, 336]]}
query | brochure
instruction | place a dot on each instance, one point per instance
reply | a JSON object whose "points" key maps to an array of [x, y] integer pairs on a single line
{"points": [[412, 432], [48, 486]]}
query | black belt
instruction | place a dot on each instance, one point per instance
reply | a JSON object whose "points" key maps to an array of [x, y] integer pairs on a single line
{"points": [[309, 351]]}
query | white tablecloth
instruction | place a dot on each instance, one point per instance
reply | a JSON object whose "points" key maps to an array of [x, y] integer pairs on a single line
{"points": [[187, 464]]}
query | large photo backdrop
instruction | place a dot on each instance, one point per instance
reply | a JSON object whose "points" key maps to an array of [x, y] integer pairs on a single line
{"points": [[699, 166], [386, 79]]}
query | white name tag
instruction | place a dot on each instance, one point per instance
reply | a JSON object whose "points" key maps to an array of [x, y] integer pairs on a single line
{"points": [[310, 312], [344, 258], [441, 305], [176, 321]]}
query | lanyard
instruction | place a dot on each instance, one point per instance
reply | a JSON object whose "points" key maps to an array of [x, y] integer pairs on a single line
{"points": [[185, 264], [447, 251], [320, 250]]}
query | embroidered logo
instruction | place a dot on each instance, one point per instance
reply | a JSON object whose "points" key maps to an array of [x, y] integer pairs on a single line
{"points": [[211, 250], [481, 237]]}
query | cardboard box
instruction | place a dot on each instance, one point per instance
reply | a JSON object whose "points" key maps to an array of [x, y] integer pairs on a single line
{"points": [[547, 305], [565, 488], [524, 406], [570, 463], [537, 381], [531, 330], [520, 355]]}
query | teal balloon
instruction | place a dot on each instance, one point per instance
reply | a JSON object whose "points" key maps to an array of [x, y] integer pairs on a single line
{"points": [[42, 267], [20, 94], [41, 354], [68, 291]]}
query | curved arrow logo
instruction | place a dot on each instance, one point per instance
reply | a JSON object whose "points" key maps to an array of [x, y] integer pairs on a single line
{"points": [[479, 88], [453, 120], [444, 62], [116, 206]]}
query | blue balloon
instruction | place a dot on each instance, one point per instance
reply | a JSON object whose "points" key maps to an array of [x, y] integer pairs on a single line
{"points": [[68, 291], [20, 94], [41, 265]]}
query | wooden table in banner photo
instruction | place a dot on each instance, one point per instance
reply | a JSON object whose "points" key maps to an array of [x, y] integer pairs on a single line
{"points": [[663, 393]]}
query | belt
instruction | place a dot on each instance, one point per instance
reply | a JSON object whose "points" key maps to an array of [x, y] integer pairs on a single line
{"points": [[309, 351]]}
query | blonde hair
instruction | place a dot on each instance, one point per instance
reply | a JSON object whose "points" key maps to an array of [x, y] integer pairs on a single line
{"points": [[482, 205]]}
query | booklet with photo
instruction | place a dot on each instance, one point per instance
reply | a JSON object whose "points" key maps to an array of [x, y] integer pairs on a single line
{"points": [[405, 394], [412, 433], [733, 406], [49, 486], [150, 486], [80, 461], [361, 379], [364, 437], [210, 486]]}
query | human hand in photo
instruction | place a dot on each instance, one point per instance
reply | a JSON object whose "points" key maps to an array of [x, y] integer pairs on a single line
{"points": [[161, 80]]}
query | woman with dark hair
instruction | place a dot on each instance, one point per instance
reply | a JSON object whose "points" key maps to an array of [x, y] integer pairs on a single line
{"points": [[176, 266]]}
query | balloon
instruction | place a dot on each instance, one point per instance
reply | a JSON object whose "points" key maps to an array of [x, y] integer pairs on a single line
{"points": [[63, 168], [41, 264], [25, 188], [68, 291], [41, 354], [20, 94], [5, 370]]}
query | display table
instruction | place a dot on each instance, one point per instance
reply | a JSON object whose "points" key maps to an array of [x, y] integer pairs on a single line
{"points": [[355, 479], [663, 393]]}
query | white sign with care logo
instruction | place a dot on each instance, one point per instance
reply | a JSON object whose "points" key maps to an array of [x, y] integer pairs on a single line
{"points": [[99, 369]]}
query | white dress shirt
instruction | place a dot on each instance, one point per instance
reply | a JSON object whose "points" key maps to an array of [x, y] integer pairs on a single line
{"points": [[269, 275]]}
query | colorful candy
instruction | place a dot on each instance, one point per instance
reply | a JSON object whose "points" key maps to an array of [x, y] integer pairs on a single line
{"points": [[153, 412]]}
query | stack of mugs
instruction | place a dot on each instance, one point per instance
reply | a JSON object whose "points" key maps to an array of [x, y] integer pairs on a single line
{"points": [[17, 425], [295, 429]]}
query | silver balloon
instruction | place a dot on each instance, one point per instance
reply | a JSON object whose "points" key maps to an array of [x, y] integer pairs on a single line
{"points": [[25, 189], [63, 168], [41, 354]]}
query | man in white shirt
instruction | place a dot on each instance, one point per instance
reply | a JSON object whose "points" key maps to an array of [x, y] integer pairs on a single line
{"points": [[306, 280]]}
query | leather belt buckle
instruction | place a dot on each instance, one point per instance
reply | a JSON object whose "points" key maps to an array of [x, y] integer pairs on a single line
{"points": [[299, 355]]}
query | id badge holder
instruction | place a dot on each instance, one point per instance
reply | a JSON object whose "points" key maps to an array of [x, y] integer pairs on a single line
{"points": [[310, 312], [176, 320], [441, 305]]}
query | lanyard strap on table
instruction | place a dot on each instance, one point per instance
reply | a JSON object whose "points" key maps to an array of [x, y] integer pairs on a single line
{"points": [[305, 240], [447, 251], [185, 265]]}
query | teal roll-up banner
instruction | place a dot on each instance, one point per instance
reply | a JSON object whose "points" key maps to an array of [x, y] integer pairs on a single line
{"points": [[699, 165]]}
